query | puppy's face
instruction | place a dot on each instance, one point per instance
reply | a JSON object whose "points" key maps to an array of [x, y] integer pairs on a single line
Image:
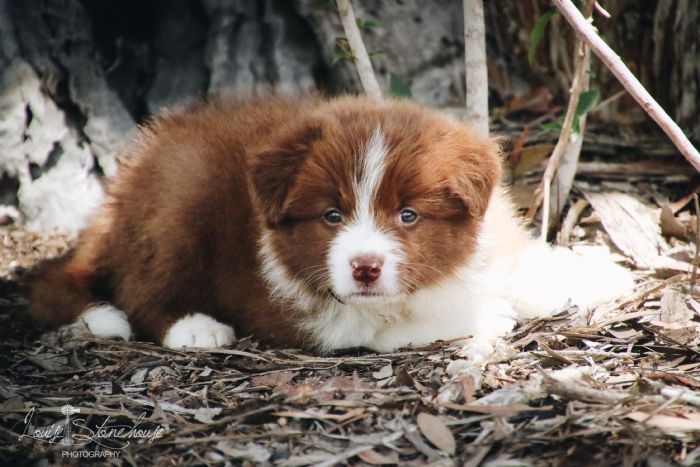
{"points": [[367, 203]]}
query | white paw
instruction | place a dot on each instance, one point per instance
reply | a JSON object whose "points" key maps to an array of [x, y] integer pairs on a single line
{"points": [[481, 351], [198, 330], [492, 317], [106, 322]]}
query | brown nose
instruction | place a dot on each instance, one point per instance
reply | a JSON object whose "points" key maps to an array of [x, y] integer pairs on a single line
{"points": [[366, 268]]}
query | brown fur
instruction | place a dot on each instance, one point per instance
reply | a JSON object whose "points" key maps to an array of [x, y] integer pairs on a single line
{"points": [[179, 231]]}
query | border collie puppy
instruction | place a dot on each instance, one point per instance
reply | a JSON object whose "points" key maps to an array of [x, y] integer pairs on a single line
{"points": [[321, 223]]}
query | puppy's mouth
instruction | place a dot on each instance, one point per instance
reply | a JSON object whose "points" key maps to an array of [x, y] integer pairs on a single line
{"points": [[360, 297], [367, 293]]}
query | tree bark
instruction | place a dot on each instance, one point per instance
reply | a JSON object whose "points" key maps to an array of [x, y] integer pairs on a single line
{"points": [[476, 76]]}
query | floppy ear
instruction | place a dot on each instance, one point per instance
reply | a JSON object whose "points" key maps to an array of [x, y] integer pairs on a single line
{"points": [[478, 174], [274, 169]]}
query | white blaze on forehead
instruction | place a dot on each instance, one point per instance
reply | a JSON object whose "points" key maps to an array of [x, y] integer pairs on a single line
{"points": [[367, 180], [361, 234]]}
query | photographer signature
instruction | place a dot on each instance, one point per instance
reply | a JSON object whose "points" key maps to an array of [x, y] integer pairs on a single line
{"points": [[76, 432]]}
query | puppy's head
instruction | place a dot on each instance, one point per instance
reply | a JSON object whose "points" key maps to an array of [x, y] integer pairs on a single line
{"points": [[368, 203]]}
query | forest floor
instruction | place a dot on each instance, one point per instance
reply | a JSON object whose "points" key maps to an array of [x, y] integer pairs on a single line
{"points": [[620, 386]]}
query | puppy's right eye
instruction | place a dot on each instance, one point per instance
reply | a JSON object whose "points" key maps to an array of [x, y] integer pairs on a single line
{"points": [[333, 216]]}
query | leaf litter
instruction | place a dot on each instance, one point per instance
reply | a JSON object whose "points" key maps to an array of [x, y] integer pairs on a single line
{"points": [[618, 386]]}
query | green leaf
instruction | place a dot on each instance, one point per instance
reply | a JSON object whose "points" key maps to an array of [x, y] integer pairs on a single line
{"points": [[587, 101], [575, 126], [369, 24], [377, 52], [554, 125], [338, 57], [342, 50], [537, 33], [398, 88]]}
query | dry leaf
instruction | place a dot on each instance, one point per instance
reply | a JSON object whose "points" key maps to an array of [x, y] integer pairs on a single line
{"points": [[680, 204], [514, 156], [206, 414], [669, 224], [376, 458], [274, 379], [50, 362], [532, 101], [403, 378], [252, 451], [436, 432], [522, 195], [468, 388], [531, 157], [625, 333], [686, 422], [301, 394], [676, 379], [384, 372]]}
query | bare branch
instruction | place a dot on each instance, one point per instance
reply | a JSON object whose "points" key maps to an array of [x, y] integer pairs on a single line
{"points": [[476, 76], [362, 61], [615, 64]]}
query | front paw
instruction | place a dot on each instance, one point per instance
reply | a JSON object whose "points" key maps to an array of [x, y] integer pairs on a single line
{"points": [[198, 330]]}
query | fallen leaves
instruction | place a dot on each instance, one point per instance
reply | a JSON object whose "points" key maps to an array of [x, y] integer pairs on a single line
{"points": [[436, 432], [631, 369]]}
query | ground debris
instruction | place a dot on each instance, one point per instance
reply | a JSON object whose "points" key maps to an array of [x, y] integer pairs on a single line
{"points": [[618, 386]]}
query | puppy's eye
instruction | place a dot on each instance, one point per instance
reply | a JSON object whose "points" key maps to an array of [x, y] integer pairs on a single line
{"points": [[408, 216], [333, 216]]}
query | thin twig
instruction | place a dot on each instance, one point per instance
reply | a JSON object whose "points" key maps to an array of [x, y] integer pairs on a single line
{"points": [[542, 195], [615, 64], [609, 100], [359, 52]]}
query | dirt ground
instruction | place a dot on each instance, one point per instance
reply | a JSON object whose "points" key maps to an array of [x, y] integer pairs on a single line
{"points": [[618, 387]]}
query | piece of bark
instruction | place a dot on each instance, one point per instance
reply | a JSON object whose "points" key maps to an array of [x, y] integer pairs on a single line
{"points": [[632, 226]]}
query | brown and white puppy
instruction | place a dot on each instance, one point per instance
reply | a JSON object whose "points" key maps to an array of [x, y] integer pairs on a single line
{"points": [[317, 223]]}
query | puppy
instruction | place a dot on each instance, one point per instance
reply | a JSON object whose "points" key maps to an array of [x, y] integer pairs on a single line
{"points": [[317, 223]]}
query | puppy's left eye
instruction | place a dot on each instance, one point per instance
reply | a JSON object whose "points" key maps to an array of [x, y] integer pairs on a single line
{"points": [[333, 216], [408, 216]]}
